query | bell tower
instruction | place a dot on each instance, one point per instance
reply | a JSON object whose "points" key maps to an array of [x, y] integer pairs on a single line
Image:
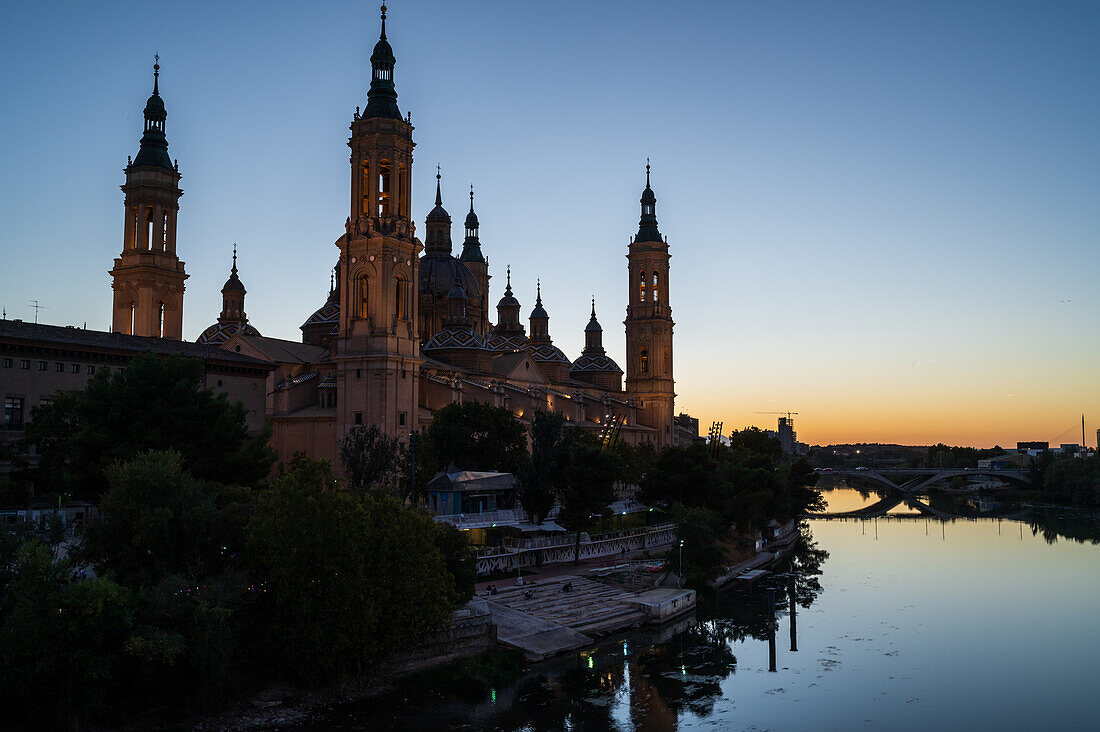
{"points": [[649, 325], [377, 349], [148, 276]]}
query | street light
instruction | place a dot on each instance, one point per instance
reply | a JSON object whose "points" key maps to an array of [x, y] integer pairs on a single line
{"points": [[680, 574]]}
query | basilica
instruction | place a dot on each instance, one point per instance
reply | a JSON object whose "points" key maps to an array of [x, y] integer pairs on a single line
{"points": [[407, 325]]}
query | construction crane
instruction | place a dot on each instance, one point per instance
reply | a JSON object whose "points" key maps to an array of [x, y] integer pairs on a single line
{"points": [[786, 413], [714, 437]]}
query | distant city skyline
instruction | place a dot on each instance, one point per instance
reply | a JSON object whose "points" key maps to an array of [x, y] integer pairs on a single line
{"points": [[884, 217]]}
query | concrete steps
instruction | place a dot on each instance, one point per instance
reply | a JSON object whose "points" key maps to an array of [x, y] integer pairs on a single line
{"points": [[591, 607]]}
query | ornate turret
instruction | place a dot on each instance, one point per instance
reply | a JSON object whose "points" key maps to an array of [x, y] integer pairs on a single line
{"points": [[148, 276], [232, 319], [471, 248], [154, 144], [438, 225], [647, 225], [540, 320], [382, 97], [594, 366], [509, 333]]}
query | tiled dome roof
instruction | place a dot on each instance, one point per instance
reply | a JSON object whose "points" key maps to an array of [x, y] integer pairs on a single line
{"points": [[595, 363], [547, 352], [507, 343], [219, 333], [455, 338], [327, 313]]}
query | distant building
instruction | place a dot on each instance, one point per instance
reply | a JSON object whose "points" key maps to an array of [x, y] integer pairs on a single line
{"points": [[37, 361], [788, 440], [1035, 445], [687, 429]]}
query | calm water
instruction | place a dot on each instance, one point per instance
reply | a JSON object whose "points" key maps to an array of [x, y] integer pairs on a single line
{"points": [[902, 624]]}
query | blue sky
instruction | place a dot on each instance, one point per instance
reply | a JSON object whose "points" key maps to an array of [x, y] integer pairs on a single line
{"points": [[882, 215]]}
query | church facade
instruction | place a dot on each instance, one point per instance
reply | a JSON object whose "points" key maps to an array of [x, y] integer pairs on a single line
{"points": [[407, 325]]}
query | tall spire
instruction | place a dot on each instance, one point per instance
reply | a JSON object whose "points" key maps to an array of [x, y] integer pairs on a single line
{"points": [[647, 225], [382, 97], [438, 177], [234, 270], [154, 145], [508, 287]]}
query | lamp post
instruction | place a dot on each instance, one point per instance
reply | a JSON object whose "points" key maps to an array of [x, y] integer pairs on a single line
{"points": [[680, 574]]}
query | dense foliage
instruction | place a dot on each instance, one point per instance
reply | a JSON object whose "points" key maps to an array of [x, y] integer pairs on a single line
{"points": [[202, 578], [153, 404], [716, 493], [472, 436]]}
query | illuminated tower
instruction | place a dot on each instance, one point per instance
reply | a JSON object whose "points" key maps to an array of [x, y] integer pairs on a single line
{"points": [[148, 276], [377, 350], [649, 325]]}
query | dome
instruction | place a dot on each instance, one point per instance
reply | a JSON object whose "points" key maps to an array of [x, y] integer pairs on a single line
{"points": [[648, 196], [456, 292], [219, 333], [471, 220], [383, 52], [508, 301], [327, 313], [548, 353], [507, 344], [593, 325], [439, 214], [595, 363], [438, 274], [233, 284], [539, 312], [455, 338], [154, 107]]}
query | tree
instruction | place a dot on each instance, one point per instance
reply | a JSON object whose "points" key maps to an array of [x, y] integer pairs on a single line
{"points": [[473, 436], [588, 488], [344, 580], [159, 520], [372, 459], [543, 477], [154, 404]]}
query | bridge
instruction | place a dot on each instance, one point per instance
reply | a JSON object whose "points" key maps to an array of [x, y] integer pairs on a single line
{"points": [[914, 480]]}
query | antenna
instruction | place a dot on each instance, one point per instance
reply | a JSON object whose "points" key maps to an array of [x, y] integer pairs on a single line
{"points": [[34, 304]]}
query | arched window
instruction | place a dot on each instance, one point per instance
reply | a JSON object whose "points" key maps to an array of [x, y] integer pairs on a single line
{"points": [[400, 298], [643, 361], [641, 290], [133, 317], [656, 287], [364, 297], [384, 192], [364, 188], [160, 319]]}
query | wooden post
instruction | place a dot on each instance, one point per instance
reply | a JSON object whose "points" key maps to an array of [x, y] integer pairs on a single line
{"points": [[794, 612], [771, 629]]}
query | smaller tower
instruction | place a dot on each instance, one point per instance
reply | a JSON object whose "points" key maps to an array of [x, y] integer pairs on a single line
{"points": [[540, 320], [148, 276], [232, 319], [233, 293], [594, 366], [477, 264], [551, 360], [508, 322]]}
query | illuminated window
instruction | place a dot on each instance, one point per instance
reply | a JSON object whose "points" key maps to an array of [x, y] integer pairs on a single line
{"points": [[656, 287], [160, 319], [643, 361], [641, 289], [384, 193]]}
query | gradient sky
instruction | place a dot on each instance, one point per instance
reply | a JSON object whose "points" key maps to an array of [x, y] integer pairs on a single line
{"points": [[884, 216]]}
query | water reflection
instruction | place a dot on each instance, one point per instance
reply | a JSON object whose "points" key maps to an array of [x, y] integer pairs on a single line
{"points": [[893, 627]]}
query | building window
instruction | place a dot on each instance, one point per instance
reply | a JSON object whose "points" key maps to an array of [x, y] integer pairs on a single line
{"points": [[404, 374], [358, 373], [59, 367], [7, 363], [90, 370], [364, 296], [13, 413], [364, 189], [400, 295], [656, 287], [41, 365], [384, 188], [358, 418], [401, 419], [24, 364], [641, 289], [75, 368], [643, 362]]}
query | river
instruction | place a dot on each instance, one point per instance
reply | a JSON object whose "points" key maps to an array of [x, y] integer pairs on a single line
{"points": [[902, 623]]}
